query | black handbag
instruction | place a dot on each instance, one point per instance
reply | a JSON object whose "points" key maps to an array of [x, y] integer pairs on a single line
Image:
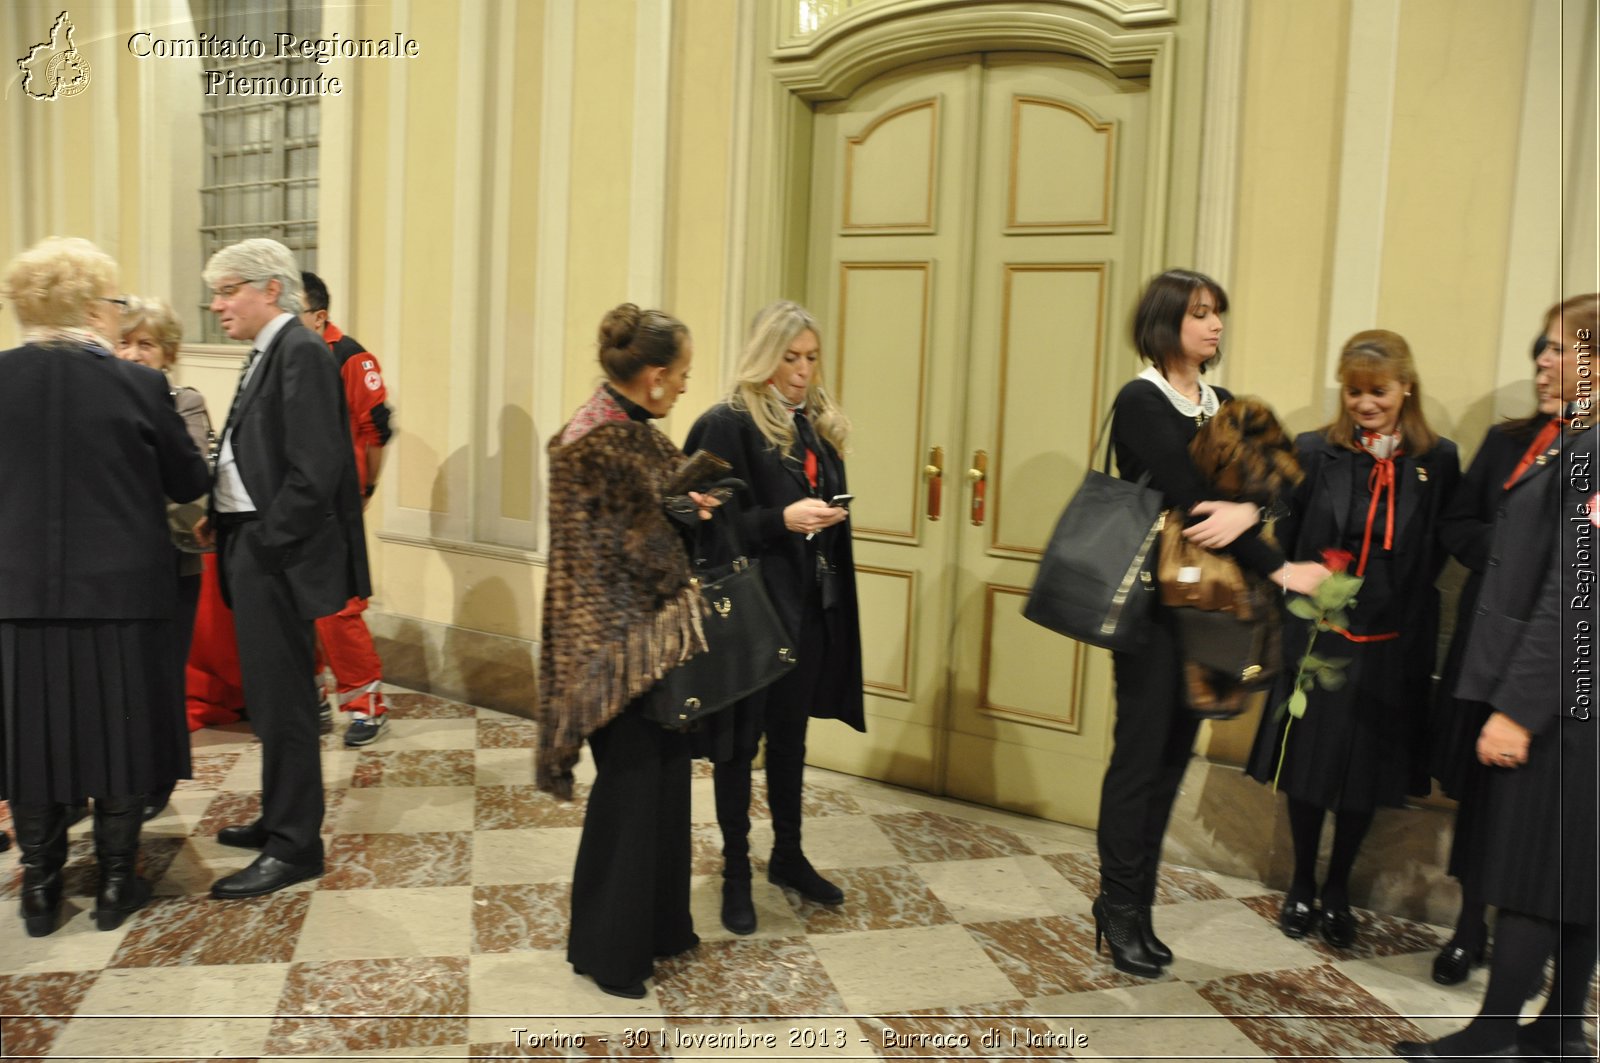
{"points": [[747, 647], [1095, 581]]}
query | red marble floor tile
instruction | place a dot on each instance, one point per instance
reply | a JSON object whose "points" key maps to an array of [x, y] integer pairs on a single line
{"points": [[232, 807], [398, 861], [199, 931], [1050, 955], [414, 767], [344, 1006], [876, 898], [522, 917], [507, 732], [722, 981], [524, 806], [35, 1007], [1174, 885], [1309, 1011], [931, 836], [208, 770], [415, 706]]}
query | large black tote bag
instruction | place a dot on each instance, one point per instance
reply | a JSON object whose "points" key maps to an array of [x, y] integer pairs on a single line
{"points": [[1096, 581], [747, 647]]}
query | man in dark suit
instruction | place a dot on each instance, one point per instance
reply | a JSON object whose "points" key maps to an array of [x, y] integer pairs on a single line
{"points": [[286, 510]]}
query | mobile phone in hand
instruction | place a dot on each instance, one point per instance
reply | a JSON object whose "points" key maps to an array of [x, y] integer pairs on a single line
{"points": [[842, 501]]}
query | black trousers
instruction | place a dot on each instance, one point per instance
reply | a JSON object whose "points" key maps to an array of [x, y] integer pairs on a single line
{"points": [[630, 888], [276, 658], [784, 709], [1153, 740]]}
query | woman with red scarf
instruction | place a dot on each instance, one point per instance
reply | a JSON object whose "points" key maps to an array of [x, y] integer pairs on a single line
{"points": [[1376, 480]]}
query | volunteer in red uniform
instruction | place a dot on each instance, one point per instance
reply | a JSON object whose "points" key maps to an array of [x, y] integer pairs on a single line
{"points": [[344, 636]]}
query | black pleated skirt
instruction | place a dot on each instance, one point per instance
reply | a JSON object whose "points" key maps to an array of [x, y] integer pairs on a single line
{"points": [[89, 708], [1540, 833], [1357, 748]]}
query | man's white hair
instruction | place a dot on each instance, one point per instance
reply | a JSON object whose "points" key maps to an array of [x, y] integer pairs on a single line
{"points": [[258, 262]]}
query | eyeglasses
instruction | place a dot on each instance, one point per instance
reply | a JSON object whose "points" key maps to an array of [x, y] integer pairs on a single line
{"points": [[228, 291]]}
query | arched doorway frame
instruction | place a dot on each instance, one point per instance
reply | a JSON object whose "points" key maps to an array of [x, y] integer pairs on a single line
{"points": [[787, 73]]}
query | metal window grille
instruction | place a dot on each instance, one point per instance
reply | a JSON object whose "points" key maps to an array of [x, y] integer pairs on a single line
{"points": [[261, 151]]}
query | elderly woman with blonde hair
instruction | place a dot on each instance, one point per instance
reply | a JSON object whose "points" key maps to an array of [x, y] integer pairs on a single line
{"points": [[785, 438], [91, 448]]}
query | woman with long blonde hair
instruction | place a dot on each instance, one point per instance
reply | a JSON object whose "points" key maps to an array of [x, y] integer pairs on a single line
{"points": [[785, 438]]}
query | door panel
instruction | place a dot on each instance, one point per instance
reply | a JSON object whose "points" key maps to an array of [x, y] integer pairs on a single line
{"points": [[890, 222], [970, 223]]}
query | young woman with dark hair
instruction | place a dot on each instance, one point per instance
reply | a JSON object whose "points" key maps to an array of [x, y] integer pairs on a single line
{"points": [[1178, 330]]}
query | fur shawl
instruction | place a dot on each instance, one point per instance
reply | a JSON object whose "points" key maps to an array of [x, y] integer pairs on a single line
{"points": [[1245, 455], [619, 609]]}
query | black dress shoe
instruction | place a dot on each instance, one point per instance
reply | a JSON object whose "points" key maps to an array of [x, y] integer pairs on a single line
{"points": [[738, 911], [243, 835], [266, 874], [796, 873], [1295, 918], [1338, 927], [1454, 963]]}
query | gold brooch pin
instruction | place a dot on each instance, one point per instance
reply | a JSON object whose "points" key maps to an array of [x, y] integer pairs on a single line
{"points": [[1422, 474]]}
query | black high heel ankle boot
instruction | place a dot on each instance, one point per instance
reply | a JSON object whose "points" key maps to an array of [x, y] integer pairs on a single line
{"points": [[1153, 945], [1121, 926]]}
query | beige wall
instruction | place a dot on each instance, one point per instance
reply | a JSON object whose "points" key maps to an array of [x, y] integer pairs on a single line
{"points": [[1403, 166], [1425, 165]]}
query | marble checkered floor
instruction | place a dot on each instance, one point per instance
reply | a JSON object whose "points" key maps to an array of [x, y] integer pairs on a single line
{"points": [[438, 930]]}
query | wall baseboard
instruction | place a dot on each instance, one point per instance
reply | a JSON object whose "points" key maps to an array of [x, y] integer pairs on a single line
{"points": [[492, 671]]}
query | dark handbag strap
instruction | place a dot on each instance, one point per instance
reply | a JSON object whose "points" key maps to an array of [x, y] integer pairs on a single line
{"points": [[724, 527]]}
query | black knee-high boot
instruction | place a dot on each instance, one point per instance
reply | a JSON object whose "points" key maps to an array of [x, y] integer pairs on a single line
{"points": [[731, 784], [786, 766], [42, 837], [116, 846]]}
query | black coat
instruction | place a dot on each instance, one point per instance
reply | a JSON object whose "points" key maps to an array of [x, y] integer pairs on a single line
{"points": [[1531, 656], [291, 443], [1363, 745], [787, 560], [91, 448], [1465, 530]]}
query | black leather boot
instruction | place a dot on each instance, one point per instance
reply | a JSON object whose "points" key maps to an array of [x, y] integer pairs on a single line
{"points": [[1153, 945], [738, 910], [1121, 926], [42, 837], [116, 846]]}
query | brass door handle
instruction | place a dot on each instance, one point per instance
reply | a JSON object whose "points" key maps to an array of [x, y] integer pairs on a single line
{"points": [[978, 476], [933, 472]]}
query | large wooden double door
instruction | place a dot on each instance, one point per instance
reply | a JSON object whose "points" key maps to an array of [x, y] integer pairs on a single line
{"points": [[975, 225]]}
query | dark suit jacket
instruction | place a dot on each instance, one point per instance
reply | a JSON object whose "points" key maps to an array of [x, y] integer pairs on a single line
{"points": [[1538, 587], [91, 448], [291, 442], [776, 480]]}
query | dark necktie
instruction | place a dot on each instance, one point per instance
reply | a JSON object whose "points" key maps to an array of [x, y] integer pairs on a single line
{"points": [[244, 375]]}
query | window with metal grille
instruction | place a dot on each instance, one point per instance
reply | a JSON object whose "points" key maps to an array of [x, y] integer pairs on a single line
{"points": [[261, 151]]}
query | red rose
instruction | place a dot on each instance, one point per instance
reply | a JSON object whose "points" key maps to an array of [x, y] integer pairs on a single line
{"points": [[1337, 560]]}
